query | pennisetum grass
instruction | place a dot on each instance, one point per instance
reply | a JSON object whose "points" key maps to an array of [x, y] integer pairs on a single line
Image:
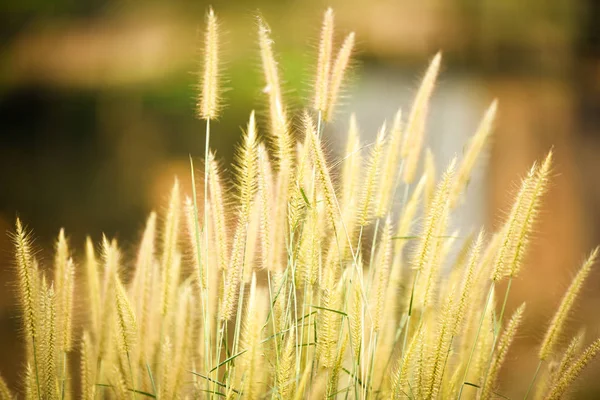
{"points": [[286, 295]]}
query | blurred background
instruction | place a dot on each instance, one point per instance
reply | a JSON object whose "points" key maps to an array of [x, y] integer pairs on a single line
{"points": [[97, 117]]}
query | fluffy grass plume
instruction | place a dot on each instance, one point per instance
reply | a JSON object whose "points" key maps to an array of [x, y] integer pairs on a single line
{"points": [[300, 282], [500, 353], [340, 66], [5, 393], [208, 102], [415, 126], [324, 63], [558, 322]]}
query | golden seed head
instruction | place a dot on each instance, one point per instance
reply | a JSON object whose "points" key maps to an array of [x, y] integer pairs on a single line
{"points": [[368, 205], [208, 104], [273, 87], [324, 63], [332, 280], [415, 127], [556, 326], [337, 74], [476, 146], [573, 372]]}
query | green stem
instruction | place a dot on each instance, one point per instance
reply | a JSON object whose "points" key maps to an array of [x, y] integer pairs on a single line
{"points": [[206, 150], [320, 124], [372, 255], [203, 291], [272, 316], [409, 313], [151, 379], [207, 355], [537, 371], [497, 328], [476, 339], [219, 337], [131, 375], [504, 305], [371, 367]]}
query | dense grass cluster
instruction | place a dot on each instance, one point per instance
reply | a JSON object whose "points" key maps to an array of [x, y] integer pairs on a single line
{"points": [[291, 284]]}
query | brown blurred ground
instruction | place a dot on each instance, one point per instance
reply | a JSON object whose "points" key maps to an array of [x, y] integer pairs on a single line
{"points": [[96, 106]]}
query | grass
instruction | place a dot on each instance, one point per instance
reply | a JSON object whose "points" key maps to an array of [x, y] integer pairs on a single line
{"points": [[290, 284]]}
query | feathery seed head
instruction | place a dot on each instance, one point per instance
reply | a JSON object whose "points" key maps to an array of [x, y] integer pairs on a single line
{"points": [[351, 164], [435, 220], [367, 206], [324, 63], [5, 393], [406, 219], [28, 283], [250, 340], [382, 273], [322, 171], [208, 104], [317, 295], [87, 366], [390, 167], [125, 317], [66, 306], [415, 127], [142, 280], [265, 192], [169, 251], [502, 351], [62, 250], [50, 346], [356, 317], [247, 170], [560, 387], [278, 119], [64, 271], [269, 69], [93, 284], [430, 173], [476, 146], [556, 326], [194, 241], [286, 382], [467, 284], [337, 74], [217, 203], [518, 227], [569, 355]]}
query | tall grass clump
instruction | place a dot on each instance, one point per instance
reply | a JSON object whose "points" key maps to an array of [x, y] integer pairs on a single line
{"points": [[293, 281]]}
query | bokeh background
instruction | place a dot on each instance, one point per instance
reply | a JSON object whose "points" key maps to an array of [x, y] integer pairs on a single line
{"points": [[97, 117]]}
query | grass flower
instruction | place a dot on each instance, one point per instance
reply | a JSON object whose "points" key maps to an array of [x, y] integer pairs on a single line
{"points": [[299, 283]]}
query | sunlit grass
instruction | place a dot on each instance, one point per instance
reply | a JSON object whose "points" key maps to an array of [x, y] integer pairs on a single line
{"points": [[290, 283]]}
